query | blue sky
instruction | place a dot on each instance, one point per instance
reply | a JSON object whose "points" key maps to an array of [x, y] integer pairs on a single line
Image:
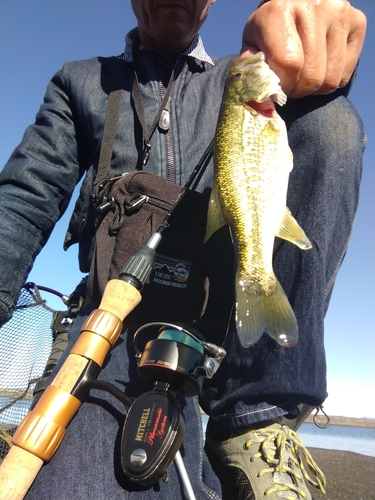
{"points": [[38, 36]]}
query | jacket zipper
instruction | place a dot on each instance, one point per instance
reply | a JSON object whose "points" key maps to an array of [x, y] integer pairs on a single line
{"points": [[169, 145]]}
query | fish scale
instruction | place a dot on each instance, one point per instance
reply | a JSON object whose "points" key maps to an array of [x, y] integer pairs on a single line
{"points": [[252, 165]]}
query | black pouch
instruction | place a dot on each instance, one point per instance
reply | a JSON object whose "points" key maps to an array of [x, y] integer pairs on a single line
{"points": [[133, 207]]}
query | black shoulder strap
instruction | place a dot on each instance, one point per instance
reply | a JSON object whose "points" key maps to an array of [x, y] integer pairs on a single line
{"points": [[110, 124]]}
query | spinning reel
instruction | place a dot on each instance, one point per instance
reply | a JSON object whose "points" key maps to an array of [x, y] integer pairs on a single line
{"points": [[176, 362]]}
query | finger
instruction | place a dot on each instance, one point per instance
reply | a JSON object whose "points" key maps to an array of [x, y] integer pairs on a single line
{"points": [[283, 53], [336, 62], [249, 51], [354, 45], [344, 45], [313, 42]]}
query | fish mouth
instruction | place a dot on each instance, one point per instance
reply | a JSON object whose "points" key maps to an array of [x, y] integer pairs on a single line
{"points": [[265, 108]]}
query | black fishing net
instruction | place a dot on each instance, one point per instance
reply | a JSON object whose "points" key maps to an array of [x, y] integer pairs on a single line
{"points": [[25, 347]]}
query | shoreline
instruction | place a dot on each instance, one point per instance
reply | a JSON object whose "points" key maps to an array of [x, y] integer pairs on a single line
{"points": [[348, 421], [350, 476]]}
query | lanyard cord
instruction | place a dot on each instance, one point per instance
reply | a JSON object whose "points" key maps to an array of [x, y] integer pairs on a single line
{"points": [[140, 110]]}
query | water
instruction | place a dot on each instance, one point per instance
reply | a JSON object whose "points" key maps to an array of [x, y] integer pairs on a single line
{"points": [[339, 437], [335, 437]]}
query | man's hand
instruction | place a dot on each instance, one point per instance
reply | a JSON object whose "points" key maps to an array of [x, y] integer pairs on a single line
{"points": [[312, 45]]}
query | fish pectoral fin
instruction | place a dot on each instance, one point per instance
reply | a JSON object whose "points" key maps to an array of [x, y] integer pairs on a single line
{"points": [[291, 231], [215, 216], [257, 313]]}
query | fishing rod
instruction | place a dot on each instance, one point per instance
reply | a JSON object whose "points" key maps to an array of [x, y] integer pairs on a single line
{"points": [[41, 432]]}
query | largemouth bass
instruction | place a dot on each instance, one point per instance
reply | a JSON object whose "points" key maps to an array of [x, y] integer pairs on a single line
{"points": [[252, 165]]}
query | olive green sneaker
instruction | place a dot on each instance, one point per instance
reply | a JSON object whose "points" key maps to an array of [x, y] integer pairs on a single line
{"points": [[265, 463]]}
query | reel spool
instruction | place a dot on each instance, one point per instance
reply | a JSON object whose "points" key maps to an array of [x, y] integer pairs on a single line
{"points": [[177, 357]]}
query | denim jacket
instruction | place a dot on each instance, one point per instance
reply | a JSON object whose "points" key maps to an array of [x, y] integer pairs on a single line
{"points": [[63, 145]]}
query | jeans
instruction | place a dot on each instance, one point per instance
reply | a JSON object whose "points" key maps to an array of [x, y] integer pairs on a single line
{"points": [[255, 384]]}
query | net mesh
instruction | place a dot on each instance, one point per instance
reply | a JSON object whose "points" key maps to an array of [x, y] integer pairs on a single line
{"points": [[25, 345]]}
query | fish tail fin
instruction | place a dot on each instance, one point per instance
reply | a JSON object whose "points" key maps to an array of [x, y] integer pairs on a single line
{"points": [[257, 313]]}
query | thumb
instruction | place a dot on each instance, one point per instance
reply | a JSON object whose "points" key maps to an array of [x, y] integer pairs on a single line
{"points": [[248, 50]]}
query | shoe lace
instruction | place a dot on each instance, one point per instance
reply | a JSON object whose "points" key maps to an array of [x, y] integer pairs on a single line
{"points": [[282, 448]]}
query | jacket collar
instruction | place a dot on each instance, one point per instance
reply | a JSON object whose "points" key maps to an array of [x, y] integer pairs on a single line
{"points": [[195, 49]]}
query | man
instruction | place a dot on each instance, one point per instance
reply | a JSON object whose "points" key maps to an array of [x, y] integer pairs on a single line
{"points": [[314, 48]]}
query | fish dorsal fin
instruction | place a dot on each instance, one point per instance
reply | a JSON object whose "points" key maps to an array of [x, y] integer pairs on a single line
{"points": [[215, 216], [290, 230]]}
